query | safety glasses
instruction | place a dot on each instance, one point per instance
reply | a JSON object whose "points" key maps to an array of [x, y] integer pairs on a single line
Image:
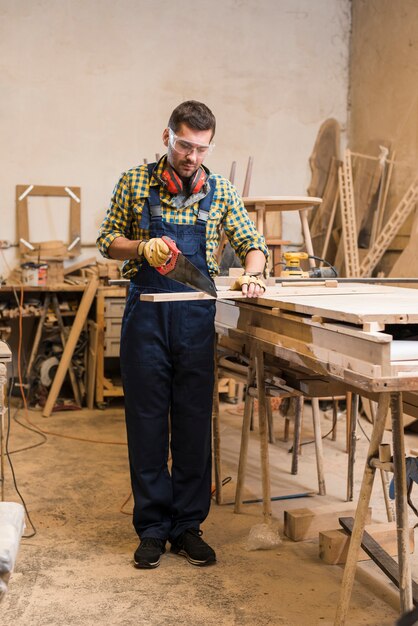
{"points": [[186, 147]]}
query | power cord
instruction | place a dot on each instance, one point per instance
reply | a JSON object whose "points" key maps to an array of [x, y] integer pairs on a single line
{"points": [[307, 443], [14, 475], [321, 260], [33, 427]]}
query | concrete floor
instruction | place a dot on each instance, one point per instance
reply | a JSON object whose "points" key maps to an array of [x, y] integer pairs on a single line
{"points": [[78, 570]]}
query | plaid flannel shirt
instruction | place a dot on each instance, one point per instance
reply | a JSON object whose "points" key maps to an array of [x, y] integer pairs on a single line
{"points": [[227, 210]]}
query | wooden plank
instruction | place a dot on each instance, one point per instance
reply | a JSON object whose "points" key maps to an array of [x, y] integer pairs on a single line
{"points": [[323, 219], [306, 523], [376, 552], [76, 329], [348, 216], [407, 263], [326, 148], [75, 223], [392, 226], [74, 267], [52, 190], [390, 305], [334, 544], [367, 181], [273, 294]]}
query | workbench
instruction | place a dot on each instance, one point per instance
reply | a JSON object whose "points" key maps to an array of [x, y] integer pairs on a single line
{"points": [[341, 339], [104, 326]]}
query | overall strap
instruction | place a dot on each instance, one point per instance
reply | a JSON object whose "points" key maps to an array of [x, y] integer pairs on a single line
{"points": [[152, 205], [205, 203], [154, 201]]}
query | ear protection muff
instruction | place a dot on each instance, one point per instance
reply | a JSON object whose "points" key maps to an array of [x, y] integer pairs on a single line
{"points": [[173, 183]]}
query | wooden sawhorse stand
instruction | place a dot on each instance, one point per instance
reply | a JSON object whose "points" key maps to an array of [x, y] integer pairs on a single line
{"points": [[256, 388], [372, 462]]}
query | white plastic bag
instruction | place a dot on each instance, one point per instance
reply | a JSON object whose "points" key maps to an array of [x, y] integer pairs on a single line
{"points": [[263, 537]]}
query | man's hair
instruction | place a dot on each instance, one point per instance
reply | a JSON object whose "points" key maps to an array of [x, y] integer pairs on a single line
{"points": [[195, 114]]}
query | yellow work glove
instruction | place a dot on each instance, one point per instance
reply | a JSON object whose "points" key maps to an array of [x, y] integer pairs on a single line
{"points": [[251, 285], [155, 251]]}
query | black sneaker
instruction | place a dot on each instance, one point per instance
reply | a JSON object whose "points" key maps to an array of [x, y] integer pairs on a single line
{"points": [[191, 545], [147, 554]]}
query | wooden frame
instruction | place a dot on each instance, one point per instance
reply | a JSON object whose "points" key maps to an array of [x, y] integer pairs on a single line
{"points": [[23, 192]]}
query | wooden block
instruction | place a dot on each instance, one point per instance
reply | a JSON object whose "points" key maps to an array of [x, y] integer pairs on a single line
{"points": [[373, 327], [333, 544], [301, 524]]}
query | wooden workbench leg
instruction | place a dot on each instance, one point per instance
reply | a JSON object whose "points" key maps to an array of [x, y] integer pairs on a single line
{"points": [[352, 446], [269, 409], [348, 397], [38, 335], [216, 431], [297, 430], [316, 418], [361, 512], [334, 419], [402, 530], [245, 434], [263, 433], [303, 214]]}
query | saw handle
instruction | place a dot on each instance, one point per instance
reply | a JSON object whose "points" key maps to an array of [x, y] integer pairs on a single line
{"points": [[171, 263]]}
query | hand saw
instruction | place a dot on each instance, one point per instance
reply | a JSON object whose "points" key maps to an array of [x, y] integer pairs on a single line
{"points": [[180, 269]]}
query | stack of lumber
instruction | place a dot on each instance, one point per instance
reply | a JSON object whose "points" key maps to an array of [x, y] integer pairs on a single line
{"points": [[361, 217]]}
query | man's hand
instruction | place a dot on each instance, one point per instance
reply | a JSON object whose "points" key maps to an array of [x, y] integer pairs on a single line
{"points": [[251, 286], [155, 251]]}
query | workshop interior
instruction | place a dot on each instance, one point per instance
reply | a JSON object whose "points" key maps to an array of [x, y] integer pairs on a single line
{"points": [[312, 390]]}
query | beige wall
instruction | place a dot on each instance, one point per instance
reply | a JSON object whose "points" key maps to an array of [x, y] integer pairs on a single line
{"points": [[87, 87], [384, 84]]}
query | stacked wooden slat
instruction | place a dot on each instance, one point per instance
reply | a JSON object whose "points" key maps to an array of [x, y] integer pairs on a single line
{"points": [[353, 228]]}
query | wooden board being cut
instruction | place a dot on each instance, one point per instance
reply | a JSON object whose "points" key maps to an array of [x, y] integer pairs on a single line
{"points": [[354, 304]]}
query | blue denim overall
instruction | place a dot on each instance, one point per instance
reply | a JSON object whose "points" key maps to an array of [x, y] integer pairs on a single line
{"points": [[167, 364]]}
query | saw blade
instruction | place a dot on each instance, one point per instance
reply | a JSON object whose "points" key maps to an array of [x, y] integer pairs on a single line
{"points": [[186, 273]]}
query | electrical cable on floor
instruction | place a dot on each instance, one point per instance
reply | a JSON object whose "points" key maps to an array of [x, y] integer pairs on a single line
{"points": [[124, 504], [34, 428], [362, 429], [306, 443], [14, 476], [26, 415], [224, 482]]}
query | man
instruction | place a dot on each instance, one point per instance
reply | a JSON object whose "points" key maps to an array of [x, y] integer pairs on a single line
{"points": [[167, 348]]}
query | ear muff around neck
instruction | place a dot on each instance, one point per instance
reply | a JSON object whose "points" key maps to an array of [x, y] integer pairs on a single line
{"points": [[174, 184]]}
